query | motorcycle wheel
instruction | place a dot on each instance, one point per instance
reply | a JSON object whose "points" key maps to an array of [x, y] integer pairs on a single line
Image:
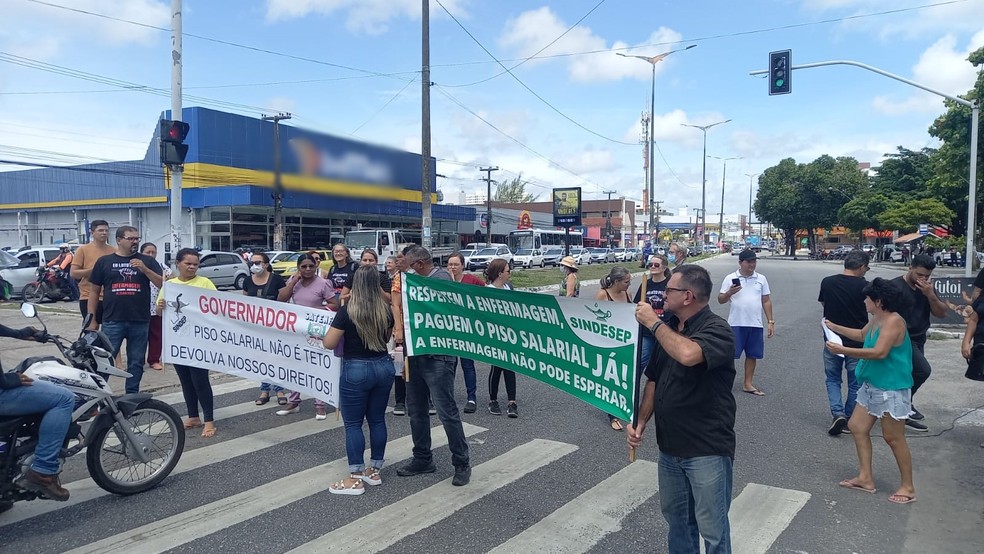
{"points": [[116, 469], [34, 292]]}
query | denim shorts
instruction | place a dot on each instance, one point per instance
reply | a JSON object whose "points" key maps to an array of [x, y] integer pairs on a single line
{"points": [[896, 403]]}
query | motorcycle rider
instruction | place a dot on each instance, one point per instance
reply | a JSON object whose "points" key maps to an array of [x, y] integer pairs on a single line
{"points": [[62, 262], [19, 396]]}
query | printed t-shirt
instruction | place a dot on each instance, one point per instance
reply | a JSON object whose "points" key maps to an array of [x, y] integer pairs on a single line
{"points": [[126, 291]]}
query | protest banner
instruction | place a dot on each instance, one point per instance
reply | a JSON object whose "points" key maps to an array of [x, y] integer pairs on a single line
{"points": [[250, 337], [955, 292], [582, 347]]}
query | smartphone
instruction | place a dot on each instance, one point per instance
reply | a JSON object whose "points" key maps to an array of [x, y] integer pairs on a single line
{"points": [[736, 282]]}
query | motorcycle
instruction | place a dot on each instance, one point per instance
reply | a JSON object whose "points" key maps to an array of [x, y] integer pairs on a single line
{"points": [[131, 442], [51, 283]]}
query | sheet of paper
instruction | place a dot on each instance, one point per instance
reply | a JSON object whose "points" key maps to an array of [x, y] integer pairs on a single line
{"points": [[830, 335]]}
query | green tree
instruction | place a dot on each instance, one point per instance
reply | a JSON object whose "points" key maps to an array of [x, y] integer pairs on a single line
{"points": [[777, 201], [862, 212], [513, 191], [907, 216], [905, 175], [952, 161]]}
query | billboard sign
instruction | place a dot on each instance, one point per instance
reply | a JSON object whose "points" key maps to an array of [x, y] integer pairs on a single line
{"points": [[567, 207]]}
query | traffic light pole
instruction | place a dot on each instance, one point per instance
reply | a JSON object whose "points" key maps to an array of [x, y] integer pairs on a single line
{"points": [[975, 113], [176, 62], [278, 188]]}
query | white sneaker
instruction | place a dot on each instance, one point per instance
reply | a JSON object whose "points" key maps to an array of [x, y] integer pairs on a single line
{"points": [[320, 413], [290, 408]]}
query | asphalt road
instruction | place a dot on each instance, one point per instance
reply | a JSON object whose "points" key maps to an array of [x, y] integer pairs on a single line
{"points": [[557, 479]]}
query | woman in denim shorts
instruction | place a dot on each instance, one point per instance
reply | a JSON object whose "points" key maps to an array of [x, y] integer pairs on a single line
{"points": [[884, 371]]}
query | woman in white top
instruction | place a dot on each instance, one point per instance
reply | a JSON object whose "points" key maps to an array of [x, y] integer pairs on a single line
{"points": [[497, 276]]}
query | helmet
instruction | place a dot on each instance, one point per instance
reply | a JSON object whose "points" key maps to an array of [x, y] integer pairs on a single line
{"points": [[63, 246]]}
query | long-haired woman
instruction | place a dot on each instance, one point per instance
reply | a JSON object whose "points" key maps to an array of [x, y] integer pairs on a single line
{"points": [[366, 323], [659, 276], [885, 372], [307, 288], [615, 288], [195, 385], [341, 272], [155, 333], [263, 283], [369, 258], [497, 276]]}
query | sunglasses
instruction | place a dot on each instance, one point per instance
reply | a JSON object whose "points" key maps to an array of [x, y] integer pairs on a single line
{"points": [[657, 264]]}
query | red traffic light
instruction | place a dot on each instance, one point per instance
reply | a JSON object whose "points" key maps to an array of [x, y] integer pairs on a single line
{"points": [[174, 131]]}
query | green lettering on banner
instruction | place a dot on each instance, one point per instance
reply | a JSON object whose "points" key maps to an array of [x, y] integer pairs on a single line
{"points": [[584, 348]]}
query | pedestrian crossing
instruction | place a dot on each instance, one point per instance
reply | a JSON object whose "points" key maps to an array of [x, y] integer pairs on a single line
{"points": [[586, 521]]}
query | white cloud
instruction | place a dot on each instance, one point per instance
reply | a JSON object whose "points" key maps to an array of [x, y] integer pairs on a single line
{"points": [[40, 32], [956, 17], [281, 104], [527, 33], [943, 67], [371, 17]]}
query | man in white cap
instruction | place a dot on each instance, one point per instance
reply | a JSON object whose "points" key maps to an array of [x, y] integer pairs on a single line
{"points": [[748, 292]]}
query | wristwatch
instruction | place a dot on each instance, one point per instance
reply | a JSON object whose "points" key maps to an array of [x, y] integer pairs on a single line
{"points": [[772, 322], [655, 326]]}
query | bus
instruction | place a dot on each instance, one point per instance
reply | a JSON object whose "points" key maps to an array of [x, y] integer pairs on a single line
{"points": [[541, 239]]}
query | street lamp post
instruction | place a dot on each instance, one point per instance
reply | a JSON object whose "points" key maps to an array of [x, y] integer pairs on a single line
{"points": [[750, 176], [652, 60], [724, 175], [703, 176]]}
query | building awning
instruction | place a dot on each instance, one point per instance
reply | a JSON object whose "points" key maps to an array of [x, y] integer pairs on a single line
{"points": [[909, 238]]}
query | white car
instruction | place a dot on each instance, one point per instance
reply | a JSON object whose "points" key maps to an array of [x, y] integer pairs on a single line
{"points": [[620, 255], [528, 257], [481, 259], [26, 270], [467, 253], [602, 255], [581, 255]]}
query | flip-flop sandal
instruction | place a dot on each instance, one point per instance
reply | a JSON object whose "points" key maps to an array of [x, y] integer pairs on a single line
{"points": [[189, 425], [756, 392], [157, 367], [901, 499], [847, 484], [208, 432], [263, 399], [281, 399], [617, 425]]}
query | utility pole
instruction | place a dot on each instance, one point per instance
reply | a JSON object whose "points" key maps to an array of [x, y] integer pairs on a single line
{"points": [[659, 204], [750, 177], [278, 187], [177, 169], [488, 200], [608, 229], [425, 129], [724, 175]]}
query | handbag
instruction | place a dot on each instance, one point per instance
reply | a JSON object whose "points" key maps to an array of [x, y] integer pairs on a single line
{"points": [[975, 367]]}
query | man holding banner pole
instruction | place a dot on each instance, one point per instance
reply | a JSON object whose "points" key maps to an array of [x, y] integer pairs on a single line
{"points": [[689, 382], [432, 376]]}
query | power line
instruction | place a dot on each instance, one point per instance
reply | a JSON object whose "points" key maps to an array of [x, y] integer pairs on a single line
{"points": [[383, 107], [524, 85]]}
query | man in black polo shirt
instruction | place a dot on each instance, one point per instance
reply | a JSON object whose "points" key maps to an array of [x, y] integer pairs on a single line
{"points": [[920, 302], [690, 377]]}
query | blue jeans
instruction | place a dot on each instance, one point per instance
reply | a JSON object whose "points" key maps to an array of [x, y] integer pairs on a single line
{"points": [[647, 344], [363, 393], [471, 384], [135, 333], [433, 377], [57, 404], [695, 496], [833, 365], [265, 387]]}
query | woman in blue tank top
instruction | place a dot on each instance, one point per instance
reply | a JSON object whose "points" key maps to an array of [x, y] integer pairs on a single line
{"points": [[885, 372]]}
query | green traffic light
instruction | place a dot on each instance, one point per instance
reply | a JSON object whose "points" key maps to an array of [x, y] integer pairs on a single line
{"points": [[779, 82]]}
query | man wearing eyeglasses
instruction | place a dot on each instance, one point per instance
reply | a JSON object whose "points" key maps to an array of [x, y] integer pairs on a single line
{"points": [[748, 293], [433, 376], [688, 390], [123, 279]]}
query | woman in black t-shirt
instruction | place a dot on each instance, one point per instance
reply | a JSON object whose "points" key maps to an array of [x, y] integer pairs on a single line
{"points": [[341, 272], [366, 324], [659, 276], [264, 283]]}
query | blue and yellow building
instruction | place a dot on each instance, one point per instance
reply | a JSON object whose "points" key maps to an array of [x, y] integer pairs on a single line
{"points": [[330, 185]]}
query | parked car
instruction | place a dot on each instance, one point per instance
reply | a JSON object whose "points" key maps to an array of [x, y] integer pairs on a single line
{"points": [[528, 257], [553, 255], [619, 254], [481, 259], [868, 249], [581, 255], [467, 253], [711, 249], [26, 270], [602, 255], [287, 266], [224, 269]]}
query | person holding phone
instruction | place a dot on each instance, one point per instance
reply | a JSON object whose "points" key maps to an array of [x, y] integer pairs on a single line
{"points": [[748, 293]]}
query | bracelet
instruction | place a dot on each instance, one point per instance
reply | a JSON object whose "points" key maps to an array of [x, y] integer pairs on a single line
{"points": [[655, 326], [772, 322]]}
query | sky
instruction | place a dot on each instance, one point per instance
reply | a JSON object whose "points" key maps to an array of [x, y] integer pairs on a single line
{"points": [[77, 86]]}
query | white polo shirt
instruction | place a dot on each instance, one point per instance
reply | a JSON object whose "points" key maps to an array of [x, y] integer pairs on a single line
{"points": [[746, 306]]}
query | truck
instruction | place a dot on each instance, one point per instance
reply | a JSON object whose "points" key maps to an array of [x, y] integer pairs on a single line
{"points": [[754, 242], [389, 242]]}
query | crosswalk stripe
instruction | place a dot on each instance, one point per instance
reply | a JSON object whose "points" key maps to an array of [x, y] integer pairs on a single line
{"points": [[435, 503], [84, 490], [583, 522], [171, 532], [760, 514], [221, 388]]}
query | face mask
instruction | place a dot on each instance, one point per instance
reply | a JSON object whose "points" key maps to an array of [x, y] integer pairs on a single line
{"points": [[254, 269]]}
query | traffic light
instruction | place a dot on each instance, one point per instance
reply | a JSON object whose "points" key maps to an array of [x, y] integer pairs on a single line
{"points": [[780, 74], [173, 148]]}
